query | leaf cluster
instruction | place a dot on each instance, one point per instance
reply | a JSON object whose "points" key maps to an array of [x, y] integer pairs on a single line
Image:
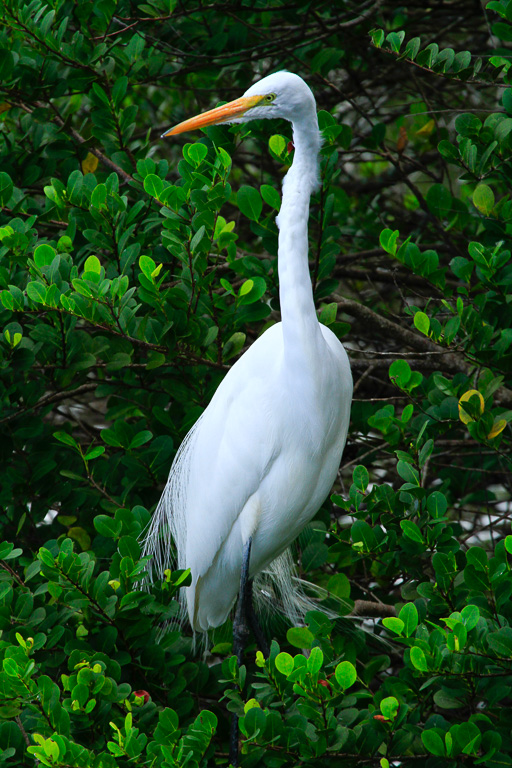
{"points": [[134, 271]]}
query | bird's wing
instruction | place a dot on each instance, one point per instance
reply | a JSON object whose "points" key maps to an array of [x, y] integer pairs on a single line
{"points": [[234, 446], [219, 465]]}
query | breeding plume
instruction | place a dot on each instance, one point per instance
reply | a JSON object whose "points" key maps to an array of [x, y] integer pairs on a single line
{"points": [[264, 455]]}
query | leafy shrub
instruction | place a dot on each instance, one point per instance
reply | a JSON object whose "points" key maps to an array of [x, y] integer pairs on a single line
{"points": [[133, 273]]}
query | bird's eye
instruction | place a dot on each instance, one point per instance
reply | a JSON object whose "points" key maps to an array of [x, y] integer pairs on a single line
{"points": [[269, 98]]}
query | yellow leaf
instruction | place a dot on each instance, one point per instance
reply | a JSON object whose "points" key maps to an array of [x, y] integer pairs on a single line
{"points": [[497, 427], [80, 535], [251, 704], [427, 129], [90, 163], [4, 106], [463, 416]]}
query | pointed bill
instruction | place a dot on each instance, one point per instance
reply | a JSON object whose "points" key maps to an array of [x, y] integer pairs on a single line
{"points": [[215, 116]]}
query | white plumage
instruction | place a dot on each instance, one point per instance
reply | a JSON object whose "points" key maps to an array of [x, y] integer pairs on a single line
{"points": [[264, 455]]}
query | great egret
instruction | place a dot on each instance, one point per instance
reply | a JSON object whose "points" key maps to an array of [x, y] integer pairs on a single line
{"points": [[264, 454]]}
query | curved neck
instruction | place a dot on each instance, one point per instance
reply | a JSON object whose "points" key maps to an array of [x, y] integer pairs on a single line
{"points": [[300, 323]]}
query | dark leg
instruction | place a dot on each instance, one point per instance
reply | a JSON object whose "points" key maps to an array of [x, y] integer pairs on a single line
{"points": [[240, 634], [240, 628], [257, 631], [244, 618]]}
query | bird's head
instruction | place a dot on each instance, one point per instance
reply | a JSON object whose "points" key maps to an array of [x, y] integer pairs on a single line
{"points": [[282, 94]]}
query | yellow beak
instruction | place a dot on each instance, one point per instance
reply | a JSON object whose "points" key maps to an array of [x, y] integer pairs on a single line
{"points": [[222, 114]]}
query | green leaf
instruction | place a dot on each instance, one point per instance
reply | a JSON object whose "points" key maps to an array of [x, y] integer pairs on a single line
{"points": [[485, 162], [468, 124], [107, 526], [498, 6], [271, 196], [147, 266], [412, 48], [425, 453], [378, 37], [119, 90], [409, 616], [99, 197], [233, 345], [501, 642], [246, 287], [93, 453], [227, 286], [410, 474], [81, 287], [394, 624], [198, 237], [249, 202], [46, 557], [328, 313], [483, 199], [428, 56], [37, 292], [400, 373], [360, 477], [507, 99], [118, 361], [503, 31], [7, 300], [439, 201], [315, 661], [461, 267], [388, 239], [224, 157], [470, 616], [92, 264], [475, 579], [300, 637], [437, 504], [8, 553], [477, 556], [284, 663], [448, 151], [395, 40], [63, 437], [389, 707], [345, 674], [253, 723], [433, 743], [462, 61], [44, 255], [468, 738], [10, 668], [277, 145], [6, 188], [422, 322], [362, 532], [140, 439], [418, 659], [339, 585], [74, 187], [253, 290], [153, 185], [196, 153]]}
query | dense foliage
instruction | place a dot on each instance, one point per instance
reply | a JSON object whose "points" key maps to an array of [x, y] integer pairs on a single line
{"points": [[134, 271]]}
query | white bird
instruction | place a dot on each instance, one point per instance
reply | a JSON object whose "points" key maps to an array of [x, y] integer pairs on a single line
{"points": [[264, 455]]}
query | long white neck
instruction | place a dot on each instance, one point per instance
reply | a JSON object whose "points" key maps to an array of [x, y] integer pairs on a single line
{"points": [[298, 314]]}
